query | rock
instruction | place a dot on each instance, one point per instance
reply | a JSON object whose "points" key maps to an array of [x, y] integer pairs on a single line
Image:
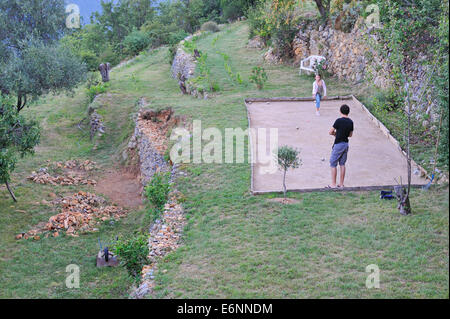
{"points": [[256, 43]]}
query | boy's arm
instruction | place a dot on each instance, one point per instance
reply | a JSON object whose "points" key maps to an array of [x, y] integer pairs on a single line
{"points": [[332, 131], [351, 134]]}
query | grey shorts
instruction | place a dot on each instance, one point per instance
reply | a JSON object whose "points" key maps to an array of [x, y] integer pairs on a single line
{"points": [[339, 154]]}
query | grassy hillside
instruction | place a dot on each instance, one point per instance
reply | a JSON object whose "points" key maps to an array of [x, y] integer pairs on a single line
{"points": [[235, 245]]}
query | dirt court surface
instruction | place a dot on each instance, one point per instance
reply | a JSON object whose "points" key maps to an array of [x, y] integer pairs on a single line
{"points": [[374, 159]]}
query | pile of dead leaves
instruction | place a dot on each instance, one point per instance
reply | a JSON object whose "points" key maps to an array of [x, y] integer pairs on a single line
{"points": [[80, 212], [86, 165], [73, 173]]}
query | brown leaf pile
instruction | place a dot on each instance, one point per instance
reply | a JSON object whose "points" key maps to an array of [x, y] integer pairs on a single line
{"points": [[73, 174], [80, 212], [75, 164]]}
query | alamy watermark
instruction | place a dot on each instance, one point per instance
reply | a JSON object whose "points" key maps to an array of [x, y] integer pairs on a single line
{"points": [[73, 277], [373, 19], [373, 279], [206, 146], [73, 19]]}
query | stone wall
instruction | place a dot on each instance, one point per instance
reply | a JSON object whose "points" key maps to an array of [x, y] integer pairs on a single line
{"points": [[349, 55], [184, 65], [150, 160]]}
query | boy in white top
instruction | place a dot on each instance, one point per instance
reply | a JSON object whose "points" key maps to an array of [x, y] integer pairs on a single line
{"points": [[319, 91]]}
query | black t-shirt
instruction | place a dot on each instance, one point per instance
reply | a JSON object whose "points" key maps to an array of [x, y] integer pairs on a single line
{"points": [[343, 128]]}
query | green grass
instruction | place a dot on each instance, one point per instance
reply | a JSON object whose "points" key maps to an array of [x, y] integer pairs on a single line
{"points": [[235, 245]]}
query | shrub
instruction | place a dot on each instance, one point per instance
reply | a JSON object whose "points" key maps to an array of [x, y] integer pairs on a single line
{"points": [[90, 59], [109, 56], [210, 26], [93, 79], [95, 90], [177, 36], [287, 158], [259, 77], [133, 252], [189, 46], [135, 42], [157, 190], [389, 100], [171, 53], [233, 9]]}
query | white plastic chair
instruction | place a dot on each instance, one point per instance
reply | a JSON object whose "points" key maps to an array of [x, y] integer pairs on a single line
{"points": [[309, 63]]}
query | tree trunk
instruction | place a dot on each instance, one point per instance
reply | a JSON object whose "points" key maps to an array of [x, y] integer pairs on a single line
{"points": [[284, 184], [21, 102], [320, 7], [10, 192], [404, 205]]}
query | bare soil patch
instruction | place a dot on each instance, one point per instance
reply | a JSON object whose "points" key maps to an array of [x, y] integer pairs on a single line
{"points": [[285, 201], [121, 187]]}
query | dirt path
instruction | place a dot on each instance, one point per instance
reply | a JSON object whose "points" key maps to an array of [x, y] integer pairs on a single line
{"points": [[121, 187]]}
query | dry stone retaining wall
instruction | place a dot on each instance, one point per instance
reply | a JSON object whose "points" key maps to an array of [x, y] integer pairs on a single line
{"points": [[183, 66], [353, 57]]}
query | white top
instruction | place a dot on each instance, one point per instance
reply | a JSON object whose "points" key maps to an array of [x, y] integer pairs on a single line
{"points": [[316, 87]]}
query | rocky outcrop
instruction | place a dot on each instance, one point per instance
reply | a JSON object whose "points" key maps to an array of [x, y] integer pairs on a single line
{"points": [[256, 43], [183, 65]]}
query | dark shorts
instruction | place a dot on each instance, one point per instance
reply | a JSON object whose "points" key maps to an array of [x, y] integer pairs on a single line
{"points": [[339, 154]]}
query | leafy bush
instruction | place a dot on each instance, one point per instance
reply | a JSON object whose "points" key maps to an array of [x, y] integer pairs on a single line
{"points": [[259, 77], [171, 53], [189, 46], [93, 79], [344, 15], [287, 157], [91, 60], [95, 90], [135, 42], [233, 9], [275, 22], [108, 55], [389, 100], [210, 26], [133, 252], [177, 36], [157, 190]]}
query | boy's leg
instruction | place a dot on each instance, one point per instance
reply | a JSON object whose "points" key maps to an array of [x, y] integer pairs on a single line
{"points": [[334, 159], [341, 184], [342, 161], [333, 176]]}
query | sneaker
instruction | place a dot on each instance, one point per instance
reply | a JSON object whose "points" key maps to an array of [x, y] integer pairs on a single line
{"points": [[317, 113]]}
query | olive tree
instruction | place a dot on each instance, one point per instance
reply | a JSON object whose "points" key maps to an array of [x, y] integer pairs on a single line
{"points": [[18, 136], [31, 61], [287, 158]]}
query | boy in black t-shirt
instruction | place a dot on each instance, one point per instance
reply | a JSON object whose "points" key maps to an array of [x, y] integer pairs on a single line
{"points": [[342, 129]]}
